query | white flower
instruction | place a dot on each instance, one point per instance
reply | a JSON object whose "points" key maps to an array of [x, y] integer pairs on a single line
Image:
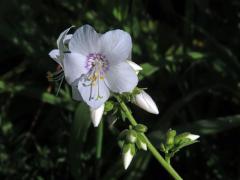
{"points": [[97, 64], [144, 101], [192, 137], [96, 115], [127, 158]]}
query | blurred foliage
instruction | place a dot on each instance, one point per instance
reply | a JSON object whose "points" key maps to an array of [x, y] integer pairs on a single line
{"points": [[189, 51]]}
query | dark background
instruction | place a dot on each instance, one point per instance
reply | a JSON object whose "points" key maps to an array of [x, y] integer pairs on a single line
{"points": [[189, 51]]}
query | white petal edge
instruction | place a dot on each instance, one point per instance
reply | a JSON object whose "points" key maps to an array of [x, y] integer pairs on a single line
{"points": [[116, 45], [144, 101], [135, 66], [96, 115], [121, 78], [85, 40], [60, 40]]}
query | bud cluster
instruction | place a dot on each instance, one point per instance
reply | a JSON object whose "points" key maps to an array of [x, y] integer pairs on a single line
{"points": [[173, 142], [131, 140]]}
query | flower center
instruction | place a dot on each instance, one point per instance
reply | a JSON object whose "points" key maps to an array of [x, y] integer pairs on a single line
{"points": [[97, 65]]}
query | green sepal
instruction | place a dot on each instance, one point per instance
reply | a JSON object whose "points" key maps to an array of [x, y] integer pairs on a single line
{"points": [[162, 148], [181, 137], [133, 149], [141, 128], [126, 147]]}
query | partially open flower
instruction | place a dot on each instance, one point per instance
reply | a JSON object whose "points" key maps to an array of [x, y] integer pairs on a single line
{"points": [[144, 101]]}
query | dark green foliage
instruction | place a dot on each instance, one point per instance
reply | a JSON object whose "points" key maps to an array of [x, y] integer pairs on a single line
{"points": [[189, 51]]}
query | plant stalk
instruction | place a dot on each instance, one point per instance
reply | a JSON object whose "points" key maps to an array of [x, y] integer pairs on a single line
{"points": [[150, 146]]}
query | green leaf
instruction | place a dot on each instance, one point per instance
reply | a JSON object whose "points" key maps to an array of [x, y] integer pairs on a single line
{"points": [[148, 70], [195, 55], [211, 126], [80, 126]]}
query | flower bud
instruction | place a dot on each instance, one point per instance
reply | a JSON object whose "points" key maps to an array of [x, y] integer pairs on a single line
{"points": [[170, 137], [135, 67], [128, 153], [96, 115], [140, 128], [141, 145], [141, 142], [131, 136], [144, 101]]}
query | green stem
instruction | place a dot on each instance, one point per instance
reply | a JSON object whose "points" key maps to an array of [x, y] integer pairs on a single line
{"points": [[168, 159], [151, 148], [99, 140]]}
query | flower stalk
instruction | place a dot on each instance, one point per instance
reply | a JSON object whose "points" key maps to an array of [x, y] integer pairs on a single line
{"points": [[99, 140], [150, 146]]}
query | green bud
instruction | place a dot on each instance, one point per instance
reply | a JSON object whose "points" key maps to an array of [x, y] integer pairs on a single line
{"points": [[141, 145], [109, 106], [131, 136], [141, 128], [181, 137], [170, 137]]}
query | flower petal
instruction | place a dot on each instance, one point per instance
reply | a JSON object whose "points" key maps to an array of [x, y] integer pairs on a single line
{"points": [[116, 45], [121, 78], [55, 55], [94, 95], [85, 40], [60, 40], [74, 66], [67, 38]]}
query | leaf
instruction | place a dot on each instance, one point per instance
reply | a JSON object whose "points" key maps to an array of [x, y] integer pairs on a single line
{"points": [[148, 70], [80, 126], [195, 55], [211, 126], [34, 92]]}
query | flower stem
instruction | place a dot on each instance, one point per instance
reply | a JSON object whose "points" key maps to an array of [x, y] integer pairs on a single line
{"points": [[150, 146], [99, 140]]}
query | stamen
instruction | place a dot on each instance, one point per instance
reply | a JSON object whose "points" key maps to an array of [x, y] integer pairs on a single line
{"points": [[97, 64]]}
